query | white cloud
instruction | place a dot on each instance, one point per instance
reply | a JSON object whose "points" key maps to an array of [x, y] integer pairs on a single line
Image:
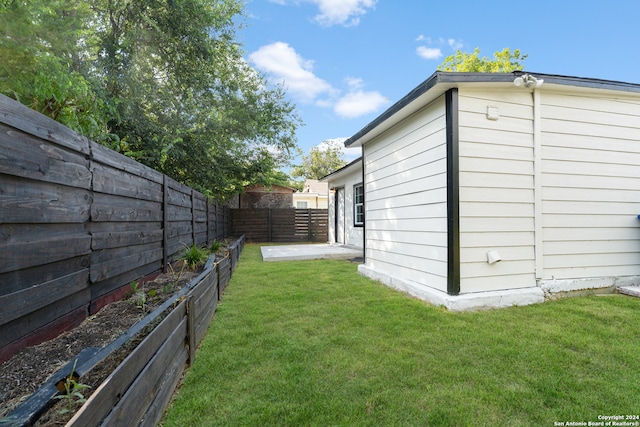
{"points": [[455, 44], [354, 83], [358, 103], [429, 52], [350, 154], [285, 65], [342, 12]]}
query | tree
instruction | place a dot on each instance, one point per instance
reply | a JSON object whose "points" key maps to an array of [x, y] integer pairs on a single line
{"points": [[321, 161], [42, 43], [187, 103], [504, 61], [163, 82]]}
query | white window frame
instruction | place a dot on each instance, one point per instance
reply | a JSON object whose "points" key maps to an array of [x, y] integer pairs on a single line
{"points": [[358, 206]]}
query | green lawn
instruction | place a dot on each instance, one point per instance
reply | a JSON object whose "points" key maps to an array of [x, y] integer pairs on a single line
{"points": [[313, 343]]}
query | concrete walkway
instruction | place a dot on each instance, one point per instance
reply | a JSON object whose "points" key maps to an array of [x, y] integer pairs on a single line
{"points": [[306, 252]]}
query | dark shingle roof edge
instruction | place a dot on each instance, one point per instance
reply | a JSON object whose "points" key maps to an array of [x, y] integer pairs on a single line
{"points": [[345, 167], [455, 78]]}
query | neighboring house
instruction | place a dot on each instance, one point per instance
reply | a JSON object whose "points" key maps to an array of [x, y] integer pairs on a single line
{"points": [[313, 196], [346, 205], [261, 196], [486, 190]]}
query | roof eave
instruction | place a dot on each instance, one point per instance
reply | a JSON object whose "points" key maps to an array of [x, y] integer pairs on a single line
{"points": [[439, 82], [342, 171]]}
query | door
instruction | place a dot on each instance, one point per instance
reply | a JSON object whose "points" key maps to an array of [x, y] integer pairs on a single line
{"points": [[339, 225]]}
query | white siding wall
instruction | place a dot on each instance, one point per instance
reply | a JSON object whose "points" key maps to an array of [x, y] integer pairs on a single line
{"points": [[406, 199], [353, 236], [496, 190], [591, 186]]}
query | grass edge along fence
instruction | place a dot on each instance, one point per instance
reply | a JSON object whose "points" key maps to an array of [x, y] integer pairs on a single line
{"points": [[78, 223], [139, 389], [313, 343]]}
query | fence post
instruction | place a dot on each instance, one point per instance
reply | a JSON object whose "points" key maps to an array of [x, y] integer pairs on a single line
{"points": [[193, 216], [165, 223], [269, 225], [191, 328], [309, 226], [208, 224]]}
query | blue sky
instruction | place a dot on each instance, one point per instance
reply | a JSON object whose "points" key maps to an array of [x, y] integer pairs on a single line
{"points": [[344, 62]]}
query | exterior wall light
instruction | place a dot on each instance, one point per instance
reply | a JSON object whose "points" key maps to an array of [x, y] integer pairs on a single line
{"points": [[528, 81]]}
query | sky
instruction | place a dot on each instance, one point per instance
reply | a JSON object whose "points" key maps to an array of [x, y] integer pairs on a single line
{"points": [[344, 62]]}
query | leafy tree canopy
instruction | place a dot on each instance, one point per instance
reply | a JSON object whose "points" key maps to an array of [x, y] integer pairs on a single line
{"points": [[504, 61], [321, 161], [163, 82]]}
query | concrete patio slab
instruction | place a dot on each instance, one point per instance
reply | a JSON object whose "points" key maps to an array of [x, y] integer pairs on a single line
{"points": [[633, 291], [307, 252]]}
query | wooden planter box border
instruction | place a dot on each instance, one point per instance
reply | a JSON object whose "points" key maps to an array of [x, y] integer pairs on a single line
{"points": [[139, 389]]}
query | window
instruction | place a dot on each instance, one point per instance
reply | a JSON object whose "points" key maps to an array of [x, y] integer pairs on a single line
{"points": [[302, 205], [358, 205]]}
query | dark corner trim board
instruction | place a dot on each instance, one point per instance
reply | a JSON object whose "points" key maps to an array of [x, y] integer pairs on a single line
{"points": [[364, 206], [453, 193]]}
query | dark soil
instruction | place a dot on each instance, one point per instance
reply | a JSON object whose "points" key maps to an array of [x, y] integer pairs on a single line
{"points": [[27, 370]]}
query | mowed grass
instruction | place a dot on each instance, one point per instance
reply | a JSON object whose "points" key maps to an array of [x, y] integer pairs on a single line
{"points": [[312, 343]]}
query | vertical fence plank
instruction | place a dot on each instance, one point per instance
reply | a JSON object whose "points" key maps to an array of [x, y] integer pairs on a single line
{"points": [[191, 327], [165, 223]]}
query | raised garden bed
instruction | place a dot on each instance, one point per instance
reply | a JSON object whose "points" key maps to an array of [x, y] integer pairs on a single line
{"points": [[130, 354]]}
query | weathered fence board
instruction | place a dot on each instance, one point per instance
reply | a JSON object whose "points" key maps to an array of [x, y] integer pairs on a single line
{"points": [[71, 306], [281, 225], [18, 304], [20, 255], [71, 208], [106, 156], [140, 395], [25, 156], [124, 184], [107, 395], [27, 201], [139, 389], [20, 117]]}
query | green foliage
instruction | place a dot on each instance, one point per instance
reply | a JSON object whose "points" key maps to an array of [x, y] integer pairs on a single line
{"points": [[321, 161], [162, 82], [194, 256], [215, 246], [43, 43], [72, 395], [504, 61], [138, 296]]}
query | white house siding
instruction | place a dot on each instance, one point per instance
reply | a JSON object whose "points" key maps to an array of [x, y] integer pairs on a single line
{"points": [[591, 185], [406, 199], [349, 234], [496, 190]]}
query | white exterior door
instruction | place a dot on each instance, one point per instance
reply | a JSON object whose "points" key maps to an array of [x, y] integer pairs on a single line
{"points": [[340, 215]]}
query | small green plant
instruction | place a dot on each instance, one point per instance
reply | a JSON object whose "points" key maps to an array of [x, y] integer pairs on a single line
{"points": [[138, 295], [169, 287], [194, 256], [215, 246], [71, 391]]}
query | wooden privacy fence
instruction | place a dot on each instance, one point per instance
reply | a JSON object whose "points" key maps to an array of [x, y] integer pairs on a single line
{"points": [[139, 389], [78, 222], [281, 225]]}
